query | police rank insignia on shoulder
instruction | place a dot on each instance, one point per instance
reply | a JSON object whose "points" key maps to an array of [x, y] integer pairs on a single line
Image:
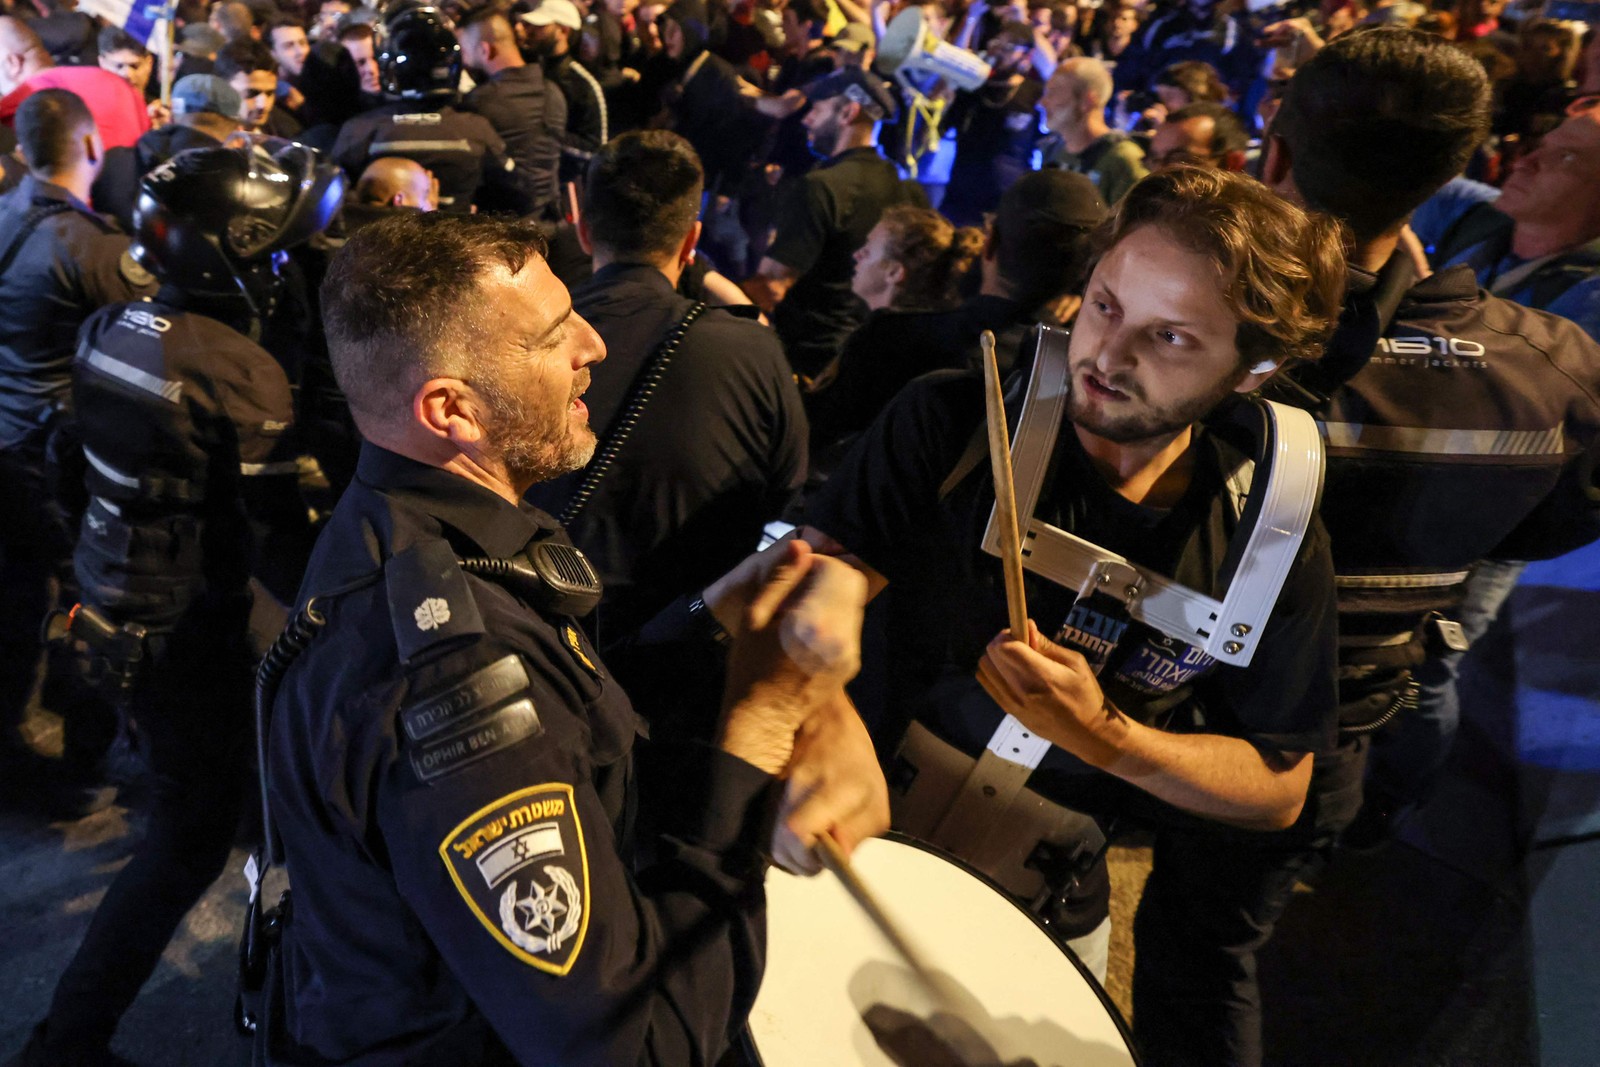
{"points": [[522, 867], [569, 634]]}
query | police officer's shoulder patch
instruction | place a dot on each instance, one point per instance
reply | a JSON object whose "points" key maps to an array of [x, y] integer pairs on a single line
{"points": [[429, 598], [522, 866]]}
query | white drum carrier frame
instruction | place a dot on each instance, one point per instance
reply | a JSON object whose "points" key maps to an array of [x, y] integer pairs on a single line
{"points": [[1287, 477], [1275, 496]]}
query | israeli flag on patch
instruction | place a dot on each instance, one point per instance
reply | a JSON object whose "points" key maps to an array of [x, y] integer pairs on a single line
{"points": [[143, 20]]}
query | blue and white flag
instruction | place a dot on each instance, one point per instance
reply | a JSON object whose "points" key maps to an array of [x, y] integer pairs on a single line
{"points": [[143, 20]]}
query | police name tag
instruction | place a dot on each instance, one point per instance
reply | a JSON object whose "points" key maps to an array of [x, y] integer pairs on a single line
{"points": [[511, 724], [480, 691], [521, 866]]}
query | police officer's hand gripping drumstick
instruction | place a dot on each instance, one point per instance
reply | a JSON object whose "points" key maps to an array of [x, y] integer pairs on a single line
{"points": [[1005, 494]]}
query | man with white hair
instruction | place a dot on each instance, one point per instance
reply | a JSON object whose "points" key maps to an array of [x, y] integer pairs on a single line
{"points": [[1536, 240], [1074, 106]]}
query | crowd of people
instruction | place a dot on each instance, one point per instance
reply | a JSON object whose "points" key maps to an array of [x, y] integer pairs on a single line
{"points": [[487, 341]]}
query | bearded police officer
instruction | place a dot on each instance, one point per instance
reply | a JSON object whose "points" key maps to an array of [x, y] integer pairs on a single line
{"points": [[191, 476], [450, 765]]}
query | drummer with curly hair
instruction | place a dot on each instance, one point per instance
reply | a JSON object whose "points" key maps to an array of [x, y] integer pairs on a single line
{"points": [[1205, 284]]}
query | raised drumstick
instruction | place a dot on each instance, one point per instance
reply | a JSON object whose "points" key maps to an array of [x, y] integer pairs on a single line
{"points": [[1005, 492]]}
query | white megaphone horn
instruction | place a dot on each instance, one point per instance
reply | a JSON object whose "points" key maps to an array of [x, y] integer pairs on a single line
{"points": [[916, 55]]}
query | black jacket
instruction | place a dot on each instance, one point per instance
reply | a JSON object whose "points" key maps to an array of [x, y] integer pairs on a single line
{"points": [[461, 149], [69, 263], [530, 114]]}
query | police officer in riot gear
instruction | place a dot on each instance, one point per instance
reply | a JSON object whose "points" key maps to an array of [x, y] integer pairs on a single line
{"points": [[59, 261], [186, 426], [419, 63]]}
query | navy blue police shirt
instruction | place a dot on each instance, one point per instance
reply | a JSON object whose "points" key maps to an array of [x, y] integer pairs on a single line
{"points": [[947, 597], [451, 775]]}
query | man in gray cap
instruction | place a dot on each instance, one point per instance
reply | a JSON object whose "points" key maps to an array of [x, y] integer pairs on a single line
{"points": [[205, 110], [803, 281]]}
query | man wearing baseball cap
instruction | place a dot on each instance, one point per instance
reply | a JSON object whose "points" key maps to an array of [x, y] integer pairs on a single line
{"points": [[205, 110], [548, 32], [803, 281]]}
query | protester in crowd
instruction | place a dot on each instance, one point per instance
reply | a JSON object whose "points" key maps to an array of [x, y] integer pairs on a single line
{"points": [[126, 58], [528, 111], [285, 37], [360, 43], [25, 67], [1189, 82], [1207, 31], [1205, 284], [65, 263], [914, 259], [549, 30], [205, 110], [996, 127], [1533, 99], [1032, 260], [1206, 135], [1118, 27], [234, 21], [252, 72], [1536, 240], [719, 448], [803, 282], [198, 44], [1074, 106]]}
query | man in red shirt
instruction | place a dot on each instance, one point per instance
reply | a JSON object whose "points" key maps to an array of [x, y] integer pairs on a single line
{"points": [[25, 68]]}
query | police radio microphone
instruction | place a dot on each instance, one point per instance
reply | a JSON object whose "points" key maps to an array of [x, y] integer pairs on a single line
{"points": [[553, 577]]}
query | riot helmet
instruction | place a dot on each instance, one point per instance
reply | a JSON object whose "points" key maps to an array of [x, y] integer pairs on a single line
{"points": [[419, 57], [214, 223]]}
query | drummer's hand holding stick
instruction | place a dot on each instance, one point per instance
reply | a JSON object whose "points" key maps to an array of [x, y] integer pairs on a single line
{"points": [[833, 781], [1052, 691]]}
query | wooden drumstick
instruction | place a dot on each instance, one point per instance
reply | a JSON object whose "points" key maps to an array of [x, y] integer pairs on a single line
{"points": [[1005, 492], [833, 858]]}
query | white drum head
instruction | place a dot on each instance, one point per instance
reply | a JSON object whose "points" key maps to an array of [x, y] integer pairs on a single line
{"points": [[835, 993]]}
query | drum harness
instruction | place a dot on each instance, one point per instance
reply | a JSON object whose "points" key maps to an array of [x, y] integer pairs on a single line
{"points": [[981, 810]]}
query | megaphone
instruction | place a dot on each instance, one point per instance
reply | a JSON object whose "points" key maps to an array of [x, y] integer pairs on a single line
{"points": [[916, 55]]}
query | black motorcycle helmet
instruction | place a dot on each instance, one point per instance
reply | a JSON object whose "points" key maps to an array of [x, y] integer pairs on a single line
{"points": [[419, 57], [213, 223]]}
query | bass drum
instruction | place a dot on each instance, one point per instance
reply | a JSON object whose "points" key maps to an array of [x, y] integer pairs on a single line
{"points": [[836, 994]]}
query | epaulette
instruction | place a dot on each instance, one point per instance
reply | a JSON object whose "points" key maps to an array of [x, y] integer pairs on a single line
{"points": [[430, 602]]}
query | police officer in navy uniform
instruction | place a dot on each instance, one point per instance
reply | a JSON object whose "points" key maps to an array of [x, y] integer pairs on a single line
{"points": [[192, 489], [450, 765], [419, 63], [59, 261]]}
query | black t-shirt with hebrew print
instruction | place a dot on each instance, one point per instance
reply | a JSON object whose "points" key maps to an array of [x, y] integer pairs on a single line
{"points": [[947, 597]]}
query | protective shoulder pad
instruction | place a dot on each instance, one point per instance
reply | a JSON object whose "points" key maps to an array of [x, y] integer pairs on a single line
{"points": [[430, 602]]}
